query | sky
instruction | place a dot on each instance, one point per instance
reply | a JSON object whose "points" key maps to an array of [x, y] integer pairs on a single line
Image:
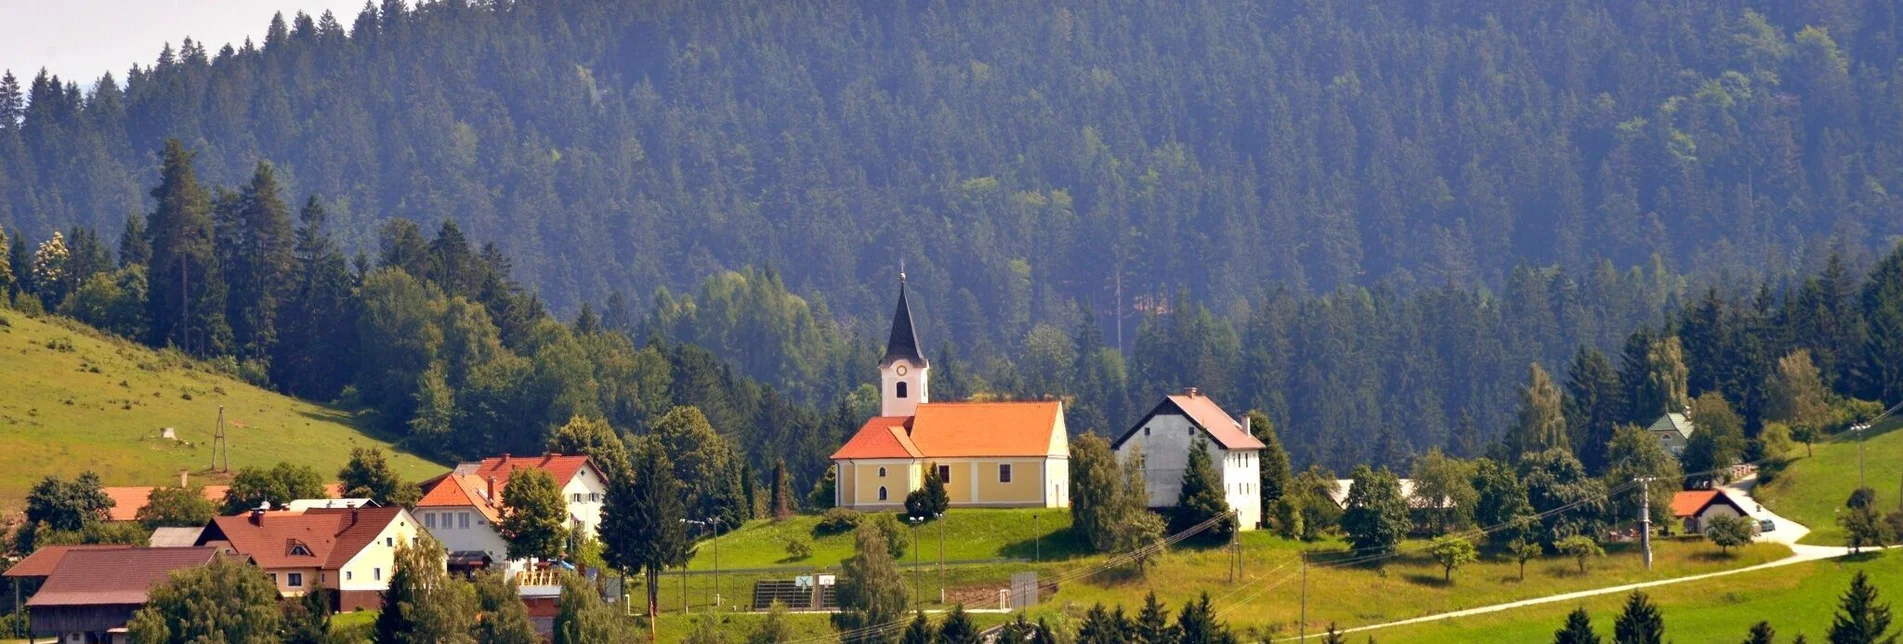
{"points": [[79, 40]]}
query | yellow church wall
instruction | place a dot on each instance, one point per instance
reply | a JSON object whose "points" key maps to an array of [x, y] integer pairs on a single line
{"points": [[862, 478]]}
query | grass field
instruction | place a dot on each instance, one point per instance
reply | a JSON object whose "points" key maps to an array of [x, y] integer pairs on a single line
{"points": [[1812, 489], [968, 535], [1796, 599], [75, 400]]}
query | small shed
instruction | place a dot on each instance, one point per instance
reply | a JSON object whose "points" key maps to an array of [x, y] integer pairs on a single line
{"points": [[1695, 507]]}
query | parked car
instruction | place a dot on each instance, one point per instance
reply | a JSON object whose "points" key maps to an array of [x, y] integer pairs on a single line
{"points": [[1766, 525]]}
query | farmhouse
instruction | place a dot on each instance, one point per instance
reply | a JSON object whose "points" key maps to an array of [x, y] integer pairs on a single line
{"points": [[1191, 421], [461, 509], [89, 593], [988, 454], [1695, 507], [1673, 430], [348, 553]]}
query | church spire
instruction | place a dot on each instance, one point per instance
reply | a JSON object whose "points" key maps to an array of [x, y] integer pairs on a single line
{"points": [[903, 344]]}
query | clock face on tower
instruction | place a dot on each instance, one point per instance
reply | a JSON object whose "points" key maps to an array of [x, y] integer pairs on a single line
{"points": [[901, 370]]}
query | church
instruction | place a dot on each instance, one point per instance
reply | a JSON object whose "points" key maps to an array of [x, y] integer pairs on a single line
{"points": [[989, 454]]}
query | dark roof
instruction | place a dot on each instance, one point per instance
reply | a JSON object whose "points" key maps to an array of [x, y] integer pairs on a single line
{"points": [[317, 538], [114, 576], [904, 340]]}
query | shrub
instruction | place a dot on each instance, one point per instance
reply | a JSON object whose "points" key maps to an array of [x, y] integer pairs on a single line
{"points": [[837, 521], [797, 548]]}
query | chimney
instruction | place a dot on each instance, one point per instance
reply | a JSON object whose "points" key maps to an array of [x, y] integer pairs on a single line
{"points": [[353, 518], [257, 516], [1190, 391], [505, 458], [490, 490]]}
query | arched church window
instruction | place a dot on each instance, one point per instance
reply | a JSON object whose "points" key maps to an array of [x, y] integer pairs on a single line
{"points": [[902, 389], [881, 472], [881, 493]]}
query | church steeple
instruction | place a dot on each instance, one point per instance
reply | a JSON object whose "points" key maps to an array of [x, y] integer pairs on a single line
{"points": [[902, 381]]}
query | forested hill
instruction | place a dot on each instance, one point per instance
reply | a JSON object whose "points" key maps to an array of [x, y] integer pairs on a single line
{"points": [[1024, 158]]}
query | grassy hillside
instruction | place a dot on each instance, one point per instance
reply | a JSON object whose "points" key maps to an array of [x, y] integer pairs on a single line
{"points": [[1812, 489], [1795, 599], [76, 400]]}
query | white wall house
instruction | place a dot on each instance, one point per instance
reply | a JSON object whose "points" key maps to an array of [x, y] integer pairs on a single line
{"points": [[1187, 421], [461, 509]]}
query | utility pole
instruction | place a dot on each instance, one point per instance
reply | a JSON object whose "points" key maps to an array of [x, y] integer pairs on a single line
{"points": [[1037, 538], [1860, 433], [218, 443], [716, 563], [1645, 518], [1235, 549], [1303, 625], [941, 558]]}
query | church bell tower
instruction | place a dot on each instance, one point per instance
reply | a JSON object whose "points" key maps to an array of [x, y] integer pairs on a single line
{"points": [[902, 372]]}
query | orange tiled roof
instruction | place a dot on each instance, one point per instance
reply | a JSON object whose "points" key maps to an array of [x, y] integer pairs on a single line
{"points": [[461, 491], [1691, 502], [127, 501], [328, 537], [1219, 423], [987, 429], [561, 467], [881, 437]]}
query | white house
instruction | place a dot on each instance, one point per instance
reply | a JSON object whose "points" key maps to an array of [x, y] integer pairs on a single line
{"points": [[461, 509], [1673, 430], [1190, 420]]}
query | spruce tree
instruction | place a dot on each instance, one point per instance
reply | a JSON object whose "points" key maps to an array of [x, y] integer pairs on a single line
{"points": [[1578, 629], [1861, 617], [919, 631], [958, 628], [185, 303], [1202, 497], [312, 356], [135, 248], [1273, 464], [1883, 344], [1153, 623], [258, 260], [1639, 622], [1761, 633], [1198, 623], [929, 500], [1103, 626], [642, 524], [6, 269], [1595, 404]]}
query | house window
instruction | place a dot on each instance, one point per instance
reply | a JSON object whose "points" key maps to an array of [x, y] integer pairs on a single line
{"points": [[349, 575], [881, 493], [297, 579], [462, 520], [881, 475], [320, 577], [574, 498], [1004, 472], [429, 520], [902, 391], [1146, 431], [376, 574], [274, 579], [944, 473], [389, 542]]}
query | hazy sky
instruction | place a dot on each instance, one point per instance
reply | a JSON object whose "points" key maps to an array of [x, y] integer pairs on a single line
{"points": [[81, 39]]}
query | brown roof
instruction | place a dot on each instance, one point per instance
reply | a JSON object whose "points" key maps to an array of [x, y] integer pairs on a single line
{"points": [[317, 538], [114, 576], [42, 562], [881, 437], [1220, 425]]}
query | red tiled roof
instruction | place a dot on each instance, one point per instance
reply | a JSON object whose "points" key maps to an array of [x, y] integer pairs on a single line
{"points": [[1690, 503], [881, 437], [127, 501], [1220, 425], [562, 468], [330, 536], [42, 562], [114, 576]]}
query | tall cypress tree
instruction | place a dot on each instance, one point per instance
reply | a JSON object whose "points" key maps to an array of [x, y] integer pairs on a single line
{"points": [[185, 302]]}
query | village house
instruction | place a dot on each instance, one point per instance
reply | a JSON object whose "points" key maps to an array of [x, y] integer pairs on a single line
{"points": [[128, 500], [348, 553], [461, 508], [988, 454], [1191, 421], [88, 593], [1673, 430], [1693, 508]]}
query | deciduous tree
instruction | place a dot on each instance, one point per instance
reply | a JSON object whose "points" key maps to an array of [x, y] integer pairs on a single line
{"points": [[534, 515]]}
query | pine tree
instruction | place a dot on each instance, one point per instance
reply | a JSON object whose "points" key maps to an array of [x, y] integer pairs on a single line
{"points": [[871, 590], [135, 249], [1272, 464], [185, 305], [1861, 619], [1578, 629], [1198, 624], [958, 628], [1762, 633], [1202, 497], [1103, 626], [1883, 345], [258, 259], [919, 631], [1639, 623], [1594, 405], [1153, 623], [312, 357], [642, 524], [1542, 421]]}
